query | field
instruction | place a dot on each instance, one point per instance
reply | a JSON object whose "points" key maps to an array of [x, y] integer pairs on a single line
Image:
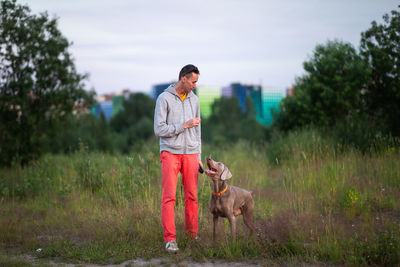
{"points": [[316, 202]]}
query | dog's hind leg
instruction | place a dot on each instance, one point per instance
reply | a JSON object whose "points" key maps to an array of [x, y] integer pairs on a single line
{"points": [[248, 216], [248, 221]]}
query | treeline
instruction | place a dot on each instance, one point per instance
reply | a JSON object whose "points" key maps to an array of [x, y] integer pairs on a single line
{"points": [[356, 93], [353, 96], [133, 126]]}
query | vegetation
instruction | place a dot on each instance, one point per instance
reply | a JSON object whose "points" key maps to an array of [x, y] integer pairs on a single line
{"points": [[134, 124], [38, 82], [228, 124], [313, 204], [326, 176], [344, 86], [380, 49], [330, 91], [351, 96]]}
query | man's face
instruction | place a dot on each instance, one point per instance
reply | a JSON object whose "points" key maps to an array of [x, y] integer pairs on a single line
{"points": [[190, 83]]}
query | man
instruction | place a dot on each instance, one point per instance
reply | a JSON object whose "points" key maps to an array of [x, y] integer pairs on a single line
{"points": [[177, 123]]}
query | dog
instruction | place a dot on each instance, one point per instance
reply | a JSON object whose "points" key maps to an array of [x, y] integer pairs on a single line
{"points": [[228, 201]]}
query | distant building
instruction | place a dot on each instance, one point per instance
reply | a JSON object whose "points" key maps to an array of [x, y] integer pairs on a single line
{"points": [[227, 91], [254, 92], [110, 104], [270, 101], [290, 91], [103, 107], [159, 88], [118, 101], [240, 91], [207, 96], [117, 104], [264, 100], [127, 93]]}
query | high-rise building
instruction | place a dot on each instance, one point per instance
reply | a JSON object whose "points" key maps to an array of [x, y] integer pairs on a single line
{"points": [[254, 92], [264, 99], [117, 104], [103, 107], [270, 103], [240, 91], [159, 88], [207, 96], [227, 91], [110, 104]]}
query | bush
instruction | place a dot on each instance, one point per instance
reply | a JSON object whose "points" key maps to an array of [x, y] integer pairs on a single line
{"points": [[362, 134]]}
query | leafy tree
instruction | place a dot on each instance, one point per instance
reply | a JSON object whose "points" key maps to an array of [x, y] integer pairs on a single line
{"points": [[228, 123], [135, 122], [380, 48], [39, 84], [329, 91], [85, 130]]}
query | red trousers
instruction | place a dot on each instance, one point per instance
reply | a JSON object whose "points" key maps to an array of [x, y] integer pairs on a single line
{"points": [[171, 165]]}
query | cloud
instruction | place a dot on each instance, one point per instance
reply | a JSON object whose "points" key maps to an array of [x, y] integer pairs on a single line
{"points": [[135, 44]]}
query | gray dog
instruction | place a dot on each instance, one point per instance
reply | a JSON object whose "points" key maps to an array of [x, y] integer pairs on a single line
{"points": [[228, 201]]}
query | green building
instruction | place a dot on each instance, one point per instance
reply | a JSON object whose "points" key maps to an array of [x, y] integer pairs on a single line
{"points": [[207, 96], [255, 94], [270, 100], [117, 104]]}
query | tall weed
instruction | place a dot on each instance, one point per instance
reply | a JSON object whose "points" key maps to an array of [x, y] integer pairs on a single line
{"points": [[313, 203]]}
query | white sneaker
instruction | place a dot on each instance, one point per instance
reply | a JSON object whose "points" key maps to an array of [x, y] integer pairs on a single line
{"points": [[171, 246]]}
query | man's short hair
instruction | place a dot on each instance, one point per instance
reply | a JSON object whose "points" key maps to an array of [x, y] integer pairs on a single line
{"points": [[187, 71]]}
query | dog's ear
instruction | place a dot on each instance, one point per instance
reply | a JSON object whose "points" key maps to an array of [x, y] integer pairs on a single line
{"points": [[226, 174]]}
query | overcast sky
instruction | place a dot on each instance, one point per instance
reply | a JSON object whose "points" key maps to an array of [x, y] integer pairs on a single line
{"points": [[135, 44]]}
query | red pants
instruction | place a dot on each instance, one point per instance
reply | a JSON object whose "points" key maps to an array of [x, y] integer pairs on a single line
{"points": [[171, 165]]}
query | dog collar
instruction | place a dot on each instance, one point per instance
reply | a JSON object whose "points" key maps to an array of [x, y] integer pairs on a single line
{"points": [[220, 193]]}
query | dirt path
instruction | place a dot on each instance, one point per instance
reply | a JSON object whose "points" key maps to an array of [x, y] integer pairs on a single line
{"points": [[34, 261]]}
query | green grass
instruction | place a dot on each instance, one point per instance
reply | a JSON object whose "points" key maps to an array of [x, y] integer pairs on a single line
{"points": [[314, 202]]}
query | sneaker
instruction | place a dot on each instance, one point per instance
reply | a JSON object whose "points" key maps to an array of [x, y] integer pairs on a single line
{"points": [[171, 246]]}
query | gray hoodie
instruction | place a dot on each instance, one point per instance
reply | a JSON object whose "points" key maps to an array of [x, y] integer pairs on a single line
{"points": [[170, 114]]}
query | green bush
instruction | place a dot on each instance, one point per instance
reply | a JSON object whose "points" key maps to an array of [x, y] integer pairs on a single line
{"points": [[362, 134]]}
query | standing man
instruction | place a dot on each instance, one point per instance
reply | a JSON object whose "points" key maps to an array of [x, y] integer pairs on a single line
{"points": [[177, 123]]}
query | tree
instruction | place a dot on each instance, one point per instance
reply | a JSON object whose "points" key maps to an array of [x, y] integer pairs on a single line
{"points": [[135, 122], [380, 49], [83, 131], [38, 81], [329, 91], [228, 123]]}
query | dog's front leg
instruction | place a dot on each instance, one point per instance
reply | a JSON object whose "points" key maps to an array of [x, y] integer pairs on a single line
{"points": [[232, 221], [215, 225]]}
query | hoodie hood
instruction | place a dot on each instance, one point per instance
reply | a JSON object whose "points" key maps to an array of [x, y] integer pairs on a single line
{"points": [[171, 89]]}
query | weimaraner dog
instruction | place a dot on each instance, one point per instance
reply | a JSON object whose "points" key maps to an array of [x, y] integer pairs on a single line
{"points": [[227, 200]]}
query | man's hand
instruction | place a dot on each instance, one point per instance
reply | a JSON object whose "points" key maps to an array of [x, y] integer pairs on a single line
{"points": [[201, 167], [191, 123]]}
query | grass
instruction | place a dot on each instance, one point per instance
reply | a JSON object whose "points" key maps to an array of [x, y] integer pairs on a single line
{"points": [[315, 203]]}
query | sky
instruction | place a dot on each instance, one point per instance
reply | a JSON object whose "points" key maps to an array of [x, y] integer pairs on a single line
{"points": [[135, 44]]}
